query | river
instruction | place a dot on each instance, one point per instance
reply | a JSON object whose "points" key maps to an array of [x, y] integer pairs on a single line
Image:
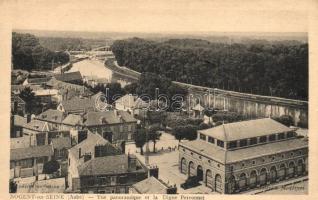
{"points": [[92, 68]]}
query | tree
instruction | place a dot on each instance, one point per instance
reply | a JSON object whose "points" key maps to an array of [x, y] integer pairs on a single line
{"points": [[154, 135], [179, 132], [27, 95], [209, 112], [140, 139], [287, 120], [190, 132], [50, 167], [115, 91], [131, 88], [12, 186], [203, 126]]}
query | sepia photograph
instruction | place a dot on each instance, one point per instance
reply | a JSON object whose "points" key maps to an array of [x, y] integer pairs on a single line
{"points": [[159, 98]]}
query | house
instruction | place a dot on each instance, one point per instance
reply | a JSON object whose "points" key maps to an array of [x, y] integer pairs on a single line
{"points": [[68, 90], [130, 103], [77, 105], [239, 156], [60, 147], [198, 111], [96, 166], [53, 118], [36, 81], [152, 185], [70, 77], [72, 122], [17, 105], [17, 124], [116, 126], [89, 146], [47, 96], [37, 131], [26, 162]]}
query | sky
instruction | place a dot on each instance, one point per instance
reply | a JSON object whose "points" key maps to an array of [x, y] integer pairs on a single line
{"points": [[160, 16]]}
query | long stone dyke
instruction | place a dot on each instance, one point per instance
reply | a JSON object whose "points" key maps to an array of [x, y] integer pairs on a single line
{"points": [[249, 105]]}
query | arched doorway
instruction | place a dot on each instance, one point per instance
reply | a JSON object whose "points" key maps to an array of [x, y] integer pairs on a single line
{"points": [[273, 174], [291, 169], [218, 183], [209, 179], [183, 167], [243, 181], [191, 169], [200, 173], [231, 185], [262, 176], [253, 179], [282, 172], [300, 167]]}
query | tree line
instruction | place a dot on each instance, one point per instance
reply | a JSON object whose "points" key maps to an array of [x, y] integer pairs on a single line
{"points": [[273, 69], [29, 54]]}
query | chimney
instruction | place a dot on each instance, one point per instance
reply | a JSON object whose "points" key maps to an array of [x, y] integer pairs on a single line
{"points": [[172, 189], [28, 118], [79, 153], [153, 171]]}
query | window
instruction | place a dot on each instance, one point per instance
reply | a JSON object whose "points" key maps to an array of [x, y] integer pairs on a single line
{"points": [[281, 136], [253, 141], [263, 139], [243, 143], [243, 164], [220, 143], [253, 162], [272, 137], [121, 128], [129, 127], [202, 137], [290, 134], [232, 144], [211, 140]]}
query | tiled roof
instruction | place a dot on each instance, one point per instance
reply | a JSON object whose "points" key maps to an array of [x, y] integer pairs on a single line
{"points": [[79, 105], [246, 129], [31, 152], [37, 125], [61, 143], [38, 80], [108, 117], [228, 156], [150, 185], [73, 120], [90, 142], [70, 76], [104, 165], [51, 115], [127, 100]]}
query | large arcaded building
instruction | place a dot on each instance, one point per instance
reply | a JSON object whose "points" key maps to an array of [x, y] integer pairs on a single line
{"points": [[234, 157]]}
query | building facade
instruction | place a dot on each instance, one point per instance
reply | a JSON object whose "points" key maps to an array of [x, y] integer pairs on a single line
{"points": [[240, 156]]}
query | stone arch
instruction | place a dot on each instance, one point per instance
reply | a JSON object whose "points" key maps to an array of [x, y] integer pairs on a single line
{"points": [[253, 179], [282, 171], [209, 179], [242, 181], [183, 166], [300, 167], [200, 173], [218, 183], [231, 187], [191, 169], [273, 174], [263, 176], [291, 169]]}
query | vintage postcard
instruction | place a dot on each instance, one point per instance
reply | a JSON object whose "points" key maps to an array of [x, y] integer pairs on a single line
{"points": [[154, 98]]}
